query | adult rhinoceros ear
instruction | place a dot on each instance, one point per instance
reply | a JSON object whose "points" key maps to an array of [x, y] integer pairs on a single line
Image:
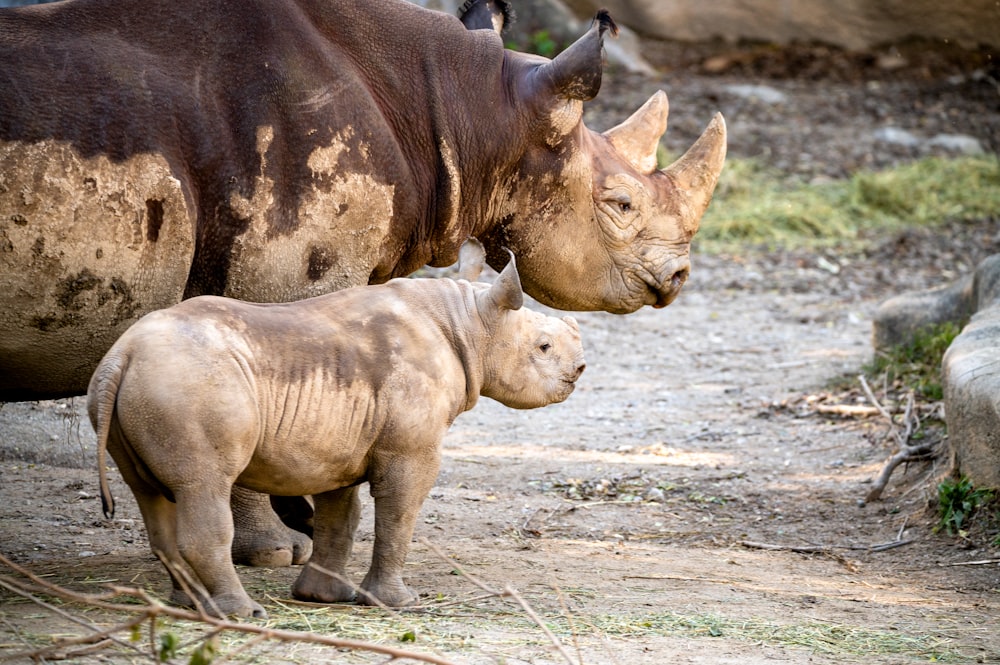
{"points": [[637, 138], [505, 292], [560, 85], [576, 72]]}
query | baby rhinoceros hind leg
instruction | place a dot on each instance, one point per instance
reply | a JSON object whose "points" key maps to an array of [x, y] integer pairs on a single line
{"points": [[204, 538], [324, 578]]}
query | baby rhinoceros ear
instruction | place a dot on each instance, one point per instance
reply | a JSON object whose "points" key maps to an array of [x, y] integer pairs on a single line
{"points": [[505, 292]]}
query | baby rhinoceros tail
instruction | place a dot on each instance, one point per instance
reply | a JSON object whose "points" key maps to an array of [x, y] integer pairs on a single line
{"points": [[102, 395]]}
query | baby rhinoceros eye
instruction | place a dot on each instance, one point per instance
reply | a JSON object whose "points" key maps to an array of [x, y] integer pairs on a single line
{"points": [[544, 347]]}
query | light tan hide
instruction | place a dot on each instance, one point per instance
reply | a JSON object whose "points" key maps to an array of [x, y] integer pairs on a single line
{"points": [[313, 398]]}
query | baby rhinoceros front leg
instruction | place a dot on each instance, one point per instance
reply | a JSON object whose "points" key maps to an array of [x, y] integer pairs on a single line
{"points": [[399, 488]]}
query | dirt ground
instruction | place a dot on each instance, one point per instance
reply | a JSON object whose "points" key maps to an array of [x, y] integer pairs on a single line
{"points": [[656, 507]]}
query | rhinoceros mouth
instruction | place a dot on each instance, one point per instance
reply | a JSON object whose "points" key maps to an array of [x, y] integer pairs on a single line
{"points": [[666, 292]]}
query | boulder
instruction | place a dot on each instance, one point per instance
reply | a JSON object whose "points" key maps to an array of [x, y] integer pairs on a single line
{"points": [[851, 24], [970, 368]]}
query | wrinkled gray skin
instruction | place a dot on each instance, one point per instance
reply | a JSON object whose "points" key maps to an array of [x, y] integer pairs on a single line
{"points": [[274, 150], [313, 398]]}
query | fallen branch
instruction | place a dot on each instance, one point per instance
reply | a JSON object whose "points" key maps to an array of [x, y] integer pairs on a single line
{"points": [[824, 549], [981, 562], [153, 608], [905, 452], [849, 410]]}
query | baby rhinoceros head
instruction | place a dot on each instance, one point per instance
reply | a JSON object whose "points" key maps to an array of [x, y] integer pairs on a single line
{"points": [[529, 359], [536, 360]]}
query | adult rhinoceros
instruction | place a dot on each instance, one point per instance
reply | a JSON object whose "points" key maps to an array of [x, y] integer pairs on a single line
{"points": [[271, 150]]}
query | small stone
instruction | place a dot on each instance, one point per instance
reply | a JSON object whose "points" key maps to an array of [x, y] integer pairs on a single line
{"points": [[763, 93], [896, 136], [654, 494], [961, 143]]}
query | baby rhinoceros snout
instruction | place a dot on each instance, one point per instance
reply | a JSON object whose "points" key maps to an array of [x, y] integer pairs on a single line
{"points": [[576, 364]]}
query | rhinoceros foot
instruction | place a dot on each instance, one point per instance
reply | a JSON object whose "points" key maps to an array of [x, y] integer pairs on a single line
{"points": [[222, 605], [388, 591], [260, 538], [318, 586]]}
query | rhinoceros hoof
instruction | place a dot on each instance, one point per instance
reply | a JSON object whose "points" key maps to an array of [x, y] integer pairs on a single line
{"points": [[276, 547], [222, 605], [233, 604], [315, 587], [389, 594]]}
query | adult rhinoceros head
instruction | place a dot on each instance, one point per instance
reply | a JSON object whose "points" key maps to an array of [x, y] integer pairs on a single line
{"points": [[594, 224]]}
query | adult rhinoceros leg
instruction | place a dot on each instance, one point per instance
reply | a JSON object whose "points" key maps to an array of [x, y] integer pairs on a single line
{"points": [[260, 538]]}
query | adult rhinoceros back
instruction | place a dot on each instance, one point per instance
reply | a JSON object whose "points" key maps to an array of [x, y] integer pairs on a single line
{"points": [[271, 150]]}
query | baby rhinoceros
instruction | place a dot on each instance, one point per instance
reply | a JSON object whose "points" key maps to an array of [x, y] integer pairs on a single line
{"points": [[312, 398]]}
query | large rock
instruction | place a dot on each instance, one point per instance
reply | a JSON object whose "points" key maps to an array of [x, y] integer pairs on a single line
{"points": [[852, 24], [970, 368]]}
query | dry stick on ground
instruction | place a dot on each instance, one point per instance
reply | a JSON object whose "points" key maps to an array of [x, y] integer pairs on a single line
{"points": [[98, 636], [152, 608], [823, 549], [508, 592], [906, 452]]}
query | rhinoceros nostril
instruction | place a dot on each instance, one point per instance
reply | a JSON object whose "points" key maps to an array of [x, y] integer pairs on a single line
{"points": [[679, 277]]}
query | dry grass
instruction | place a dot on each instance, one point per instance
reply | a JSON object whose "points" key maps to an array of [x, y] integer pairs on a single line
{"points": [[473, 627], [757, 205]]}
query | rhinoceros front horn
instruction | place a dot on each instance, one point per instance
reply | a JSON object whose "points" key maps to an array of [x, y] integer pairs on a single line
{"points": [[697, 171]]}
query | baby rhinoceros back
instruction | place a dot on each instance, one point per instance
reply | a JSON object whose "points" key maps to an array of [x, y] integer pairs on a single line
{"points": [[312, 398]]}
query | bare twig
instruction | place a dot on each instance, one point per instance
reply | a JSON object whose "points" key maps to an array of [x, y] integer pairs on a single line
{"points": [[850, 410], [878, 406], [152, 608], [823, 549], [26, 592], [905, 452], [512, 592], [508, 592], [804, 549], [981, 562]]}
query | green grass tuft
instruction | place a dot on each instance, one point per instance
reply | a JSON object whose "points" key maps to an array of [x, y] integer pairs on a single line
{"points": [[917, 364], [758, 205], [958, 501]]}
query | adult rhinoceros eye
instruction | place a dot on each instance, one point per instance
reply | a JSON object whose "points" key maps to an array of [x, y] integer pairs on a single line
{"points": [[622, 200]]}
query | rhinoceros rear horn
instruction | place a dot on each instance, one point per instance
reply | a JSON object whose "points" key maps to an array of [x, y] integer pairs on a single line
{"points": [[637, 138], [505, 292]]}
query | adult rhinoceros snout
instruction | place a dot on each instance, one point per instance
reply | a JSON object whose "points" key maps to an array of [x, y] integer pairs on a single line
{"points": [[670, 287]]}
